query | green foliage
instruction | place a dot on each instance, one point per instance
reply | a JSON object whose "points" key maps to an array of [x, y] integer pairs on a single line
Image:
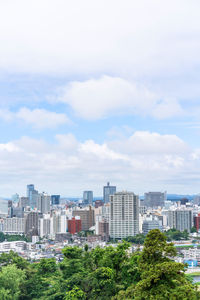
{"points": [[11, 278], [13, 258], [137, 239], [176, 235], [161, 277], [75, 294], [193, 229], [2, 237], [13, 237]]}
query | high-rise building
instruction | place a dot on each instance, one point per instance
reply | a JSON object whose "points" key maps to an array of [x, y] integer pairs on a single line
{"points": [[23, 201], [87, 197], [45, 226], [55, 199], [180, 219], [124, 215], [43, 203], [154, 199], [197, 222], [107, 191], [58, 223], [150, 223], [86, 216], [34, 199], [74, 225], [104, 229], [32, 223], [30, 188], [17, 212], [32, 194]]}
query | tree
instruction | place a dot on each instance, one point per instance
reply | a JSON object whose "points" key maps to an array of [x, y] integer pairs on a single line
{"points": [[75, 294], [13, 258], [161, 277], [101, 284], [2, 237], [193, 230], [47, 267], [11, 278]]}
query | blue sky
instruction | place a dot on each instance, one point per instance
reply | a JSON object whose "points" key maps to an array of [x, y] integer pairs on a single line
{"points": [[92, 91]]}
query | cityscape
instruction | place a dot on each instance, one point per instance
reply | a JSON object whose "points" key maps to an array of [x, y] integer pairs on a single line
{"points": [[45, 224]]}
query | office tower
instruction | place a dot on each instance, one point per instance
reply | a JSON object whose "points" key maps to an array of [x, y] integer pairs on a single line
{"points": [[15, 198], [55, 199], [180, 219], [34, 199], [107, 191], [150, 223], [74, 225], [154, 199], [124, 215], [17, 212], [87, 197], [32, 194], [43, 203], [86, 216], [30, 188], [23, 202], [14, 225], [32, 223]]}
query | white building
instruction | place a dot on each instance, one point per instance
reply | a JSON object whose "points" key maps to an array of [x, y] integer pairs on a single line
{"points": [[17, 246], [124, 215], [43, 203], [45, 226], [14, 225], [180, 218]]}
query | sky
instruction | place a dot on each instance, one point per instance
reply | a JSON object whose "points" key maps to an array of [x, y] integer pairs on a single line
{"points": [[94, 91]]}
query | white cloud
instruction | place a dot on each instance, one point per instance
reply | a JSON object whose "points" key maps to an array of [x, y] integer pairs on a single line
{"points": [[147, 143], [41, 118], [95, 36], [140, 162], [96, 98], [38, 118]]}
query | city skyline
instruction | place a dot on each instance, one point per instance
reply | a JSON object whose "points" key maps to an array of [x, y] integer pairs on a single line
{"points": [[92, 92]]}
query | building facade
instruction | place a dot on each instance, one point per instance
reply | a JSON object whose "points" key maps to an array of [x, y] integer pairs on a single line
{"points": [[180, 219], [154, 199], [74, 225], [107, 191], [124, 215], [86, 216], [43, 203], [14, 225], [87, 197], [55, 199]]}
